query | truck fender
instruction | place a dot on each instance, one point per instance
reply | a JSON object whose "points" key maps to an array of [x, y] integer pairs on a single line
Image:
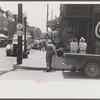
{"points": [[90, 59]]}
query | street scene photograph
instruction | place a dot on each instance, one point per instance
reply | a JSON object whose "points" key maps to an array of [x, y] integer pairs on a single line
{"points": [[50, 49]]}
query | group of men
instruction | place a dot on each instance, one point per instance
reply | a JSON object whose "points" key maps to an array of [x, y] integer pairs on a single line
{"points": [[75, 47]]}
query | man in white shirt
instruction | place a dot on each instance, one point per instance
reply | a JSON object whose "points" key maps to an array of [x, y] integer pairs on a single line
{"points": [[73, 46], [82, 46]]}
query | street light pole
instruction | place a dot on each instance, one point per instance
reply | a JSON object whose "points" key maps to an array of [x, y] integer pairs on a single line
{"points": [[19, 56]]}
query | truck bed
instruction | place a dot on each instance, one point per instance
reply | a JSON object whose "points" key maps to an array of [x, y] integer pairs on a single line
{"points": [[78, 54]]}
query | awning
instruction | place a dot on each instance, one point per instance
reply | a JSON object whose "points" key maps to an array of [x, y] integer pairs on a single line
{"points": [[2, 35]]}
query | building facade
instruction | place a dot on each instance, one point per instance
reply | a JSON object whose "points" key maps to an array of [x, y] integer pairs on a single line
{"points": [[79, 20], [6, 23]]}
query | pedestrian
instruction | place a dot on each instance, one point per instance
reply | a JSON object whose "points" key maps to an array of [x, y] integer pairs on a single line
{"points": [[82, 46], [40, 45], [43, 45], [73, 45], [50, 52]]}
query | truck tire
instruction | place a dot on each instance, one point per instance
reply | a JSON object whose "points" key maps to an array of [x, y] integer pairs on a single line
{"points": [[92, 70]]}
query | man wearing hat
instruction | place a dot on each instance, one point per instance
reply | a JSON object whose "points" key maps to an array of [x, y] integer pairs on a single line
{"points": [[82, 46], [73, 45], [50, 52]]}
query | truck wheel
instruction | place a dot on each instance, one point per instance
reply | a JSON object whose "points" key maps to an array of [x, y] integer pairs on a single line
{"points": [[92, 69]]}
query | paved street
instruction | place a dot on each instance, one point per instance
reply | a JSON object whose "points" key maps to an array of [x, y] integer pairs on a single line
{"points": [[6, 63]]}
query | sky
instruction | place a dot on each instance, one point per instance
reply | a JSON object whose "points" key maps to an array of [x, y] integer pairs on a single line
{"points": [[36, 12]]}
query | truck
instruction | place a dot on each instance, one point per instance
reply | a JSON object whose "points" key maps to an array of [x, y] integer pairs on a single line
{"points": [[78, 21], [87, 64]]}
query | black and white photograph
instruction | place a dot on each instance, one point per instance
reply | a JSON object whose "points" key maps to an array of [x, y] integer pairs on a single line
{"points": [[49, 49]]}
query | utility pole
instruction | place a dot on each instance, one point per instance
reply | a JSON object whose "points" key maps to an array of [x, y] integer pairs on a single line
{"points": [[19, 32], [47, 16], [51, 20]]}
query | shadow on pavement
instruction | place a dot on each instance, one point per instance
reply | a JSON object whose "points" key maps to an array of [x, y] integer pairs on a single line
{"points": [[75, 75]]}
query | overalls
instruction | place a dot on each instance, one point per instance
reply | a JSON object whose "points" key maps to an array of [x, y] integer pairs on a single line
{"points": [[49, 55]]}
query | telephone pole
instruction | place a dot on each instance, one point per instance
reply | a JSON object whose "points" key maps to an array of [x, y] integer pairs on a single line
{"points": [[19, 32], [47, 16]]}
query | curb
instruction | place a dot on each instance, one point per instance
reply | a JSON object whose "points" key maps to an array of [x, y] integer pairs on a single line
{"points": [[7, 70], [3, 72], [17, 66]]}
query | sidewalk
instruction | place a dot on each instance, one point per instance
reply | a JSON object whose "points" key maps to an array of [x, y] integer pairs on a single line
{"points": [[37, 61]]}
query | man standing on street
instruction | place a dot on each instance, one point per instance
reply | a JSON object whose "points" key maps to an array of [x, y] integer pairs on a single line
{"points": [[50, 52]]}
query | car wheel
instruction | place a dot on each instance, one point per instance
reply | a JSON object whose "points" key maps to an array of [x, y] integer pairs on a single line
{"points": [[92, 69]]}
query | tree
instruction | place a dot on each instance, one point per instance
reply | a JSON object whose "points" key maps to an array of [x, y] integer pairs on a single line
{"points": [[37, 33], [32, 32]]}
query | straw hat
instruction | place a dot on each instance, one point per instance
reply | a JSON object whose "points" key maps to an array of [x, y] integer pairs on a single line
{"points": [[82, 39]]}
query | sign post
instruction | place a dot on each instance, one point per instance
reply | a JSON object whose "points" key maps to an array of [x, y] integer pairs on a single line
{"points": [[19, 27]]}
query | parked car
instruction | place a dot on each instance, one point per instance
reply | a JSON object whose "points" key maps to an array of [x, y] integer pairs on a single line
{"points": [[35, 45], [12, 49]]}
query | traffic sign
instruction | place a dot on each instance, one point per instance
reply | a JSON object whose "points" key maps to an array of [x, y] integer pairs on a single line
{"points": [[19, 33], [19, 26]]}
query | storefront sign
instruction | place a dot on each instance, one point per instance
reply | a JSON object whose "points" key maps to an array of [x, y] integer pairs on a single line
{"points": [[97, 30]]}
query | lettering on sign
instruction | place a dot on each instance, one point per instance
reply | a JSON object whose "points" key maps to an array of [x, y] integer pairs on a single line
{"points": [[19, 33], [97, 30], [19, 26]]}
